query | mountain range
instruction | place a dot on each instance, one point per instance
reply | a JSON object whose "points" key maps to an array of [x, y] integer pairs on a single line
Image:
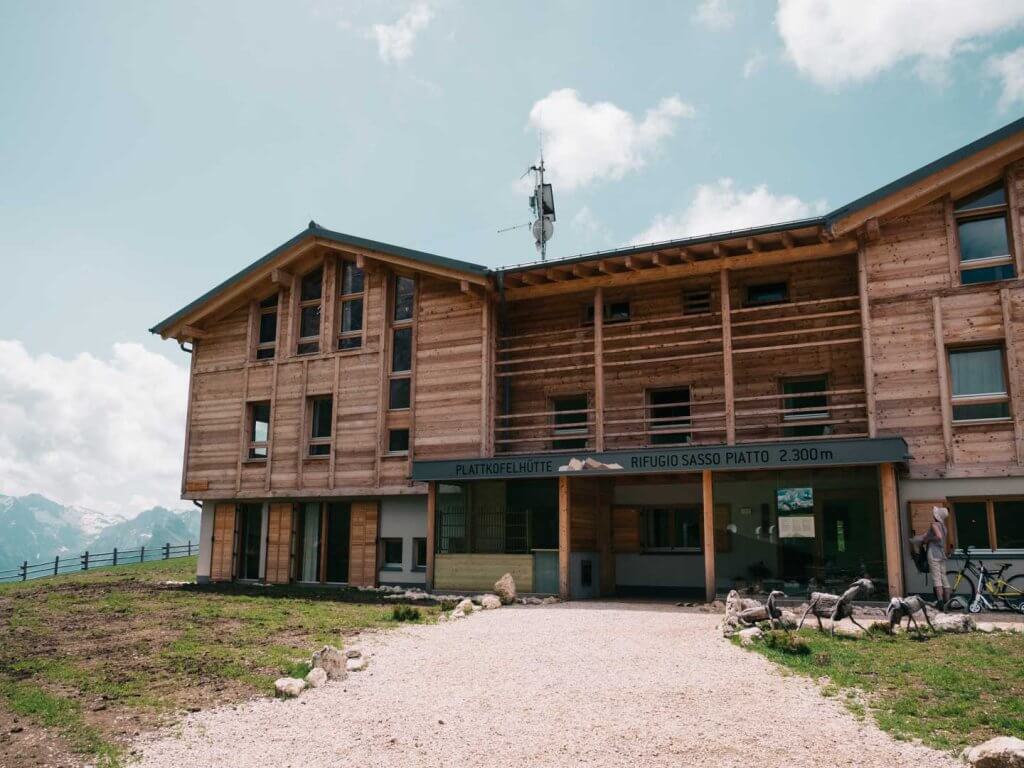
{"points": [[36, 529]]}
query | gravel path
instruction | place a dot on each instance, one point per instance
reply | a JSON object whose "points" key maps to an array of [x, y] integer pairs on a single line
{"points": [[585, 683]]}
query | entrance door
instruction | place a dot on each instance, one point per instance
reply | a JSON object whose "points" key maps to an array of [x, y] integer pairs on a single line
{"points": [[338, 526], [250, 530]]}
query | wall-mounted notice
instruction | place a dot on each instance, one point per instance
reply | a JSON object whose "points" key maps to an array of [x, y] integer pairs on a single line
{"points": [[796, 527]]}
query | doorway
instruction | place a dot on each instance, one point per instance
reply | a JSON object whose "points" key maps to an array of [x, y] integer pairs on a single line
{"points": [[338, 522]]}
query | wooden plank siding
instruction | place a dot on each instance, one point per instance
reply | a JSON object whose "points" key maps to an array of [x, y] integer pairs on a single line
{"points": [[222, 561], [280, 528]]}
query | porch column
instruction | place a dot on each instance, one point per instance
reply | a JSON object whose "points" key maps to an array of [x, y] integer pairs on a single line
{"points": [[431, 533], [891, 524], [563, 538], [709, 535]]}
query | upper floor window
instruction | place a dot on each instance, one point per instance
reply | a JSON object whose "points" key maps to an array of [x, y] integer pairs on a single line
{"points": [[983, 232], [321, 422], [405, 294], [805, 400], [763, 294], [266, 343], [669, 415], [351, 303], [571, 416], [400, 371], [612, 312], [696, 302], [311, 291], [978, 383], [259, 430]]}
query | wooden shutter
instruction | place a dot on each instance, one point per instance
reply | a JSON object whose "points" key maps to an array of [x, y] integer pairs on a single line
{"points": [[625, 529], [921, 516], [279, 544], [222, 561], [362, 561]]}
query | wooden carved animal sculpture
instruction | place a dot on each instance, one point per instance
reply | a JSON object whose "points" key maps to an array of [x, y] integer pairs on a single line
{"points": [[836, 607], [907, 606], [768, 612]]}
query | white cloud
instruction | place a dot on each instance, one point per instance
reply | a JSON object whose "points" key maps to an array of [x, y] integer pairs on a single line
{"points": [[754, 63], [1010, 69], [586, 224], [715, 14], [586, 142], [835, 42], [103, 433], [721, 206], [395, 41]]}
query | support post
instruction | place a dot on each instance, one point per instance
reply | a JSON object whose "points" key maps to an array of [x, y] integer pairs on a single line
{"points": [[730, 390], [865, 337], [707, 495], [56, 564], [599, 368], [115, 556], [564, 531], [891, 525], [85, 560], [142, 554], [431, 532], [24, 570], [944, 395]]}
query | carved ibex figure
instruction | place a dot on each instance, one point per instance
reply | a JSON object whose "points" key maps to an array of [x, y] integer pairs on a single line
{"points": [[768, 612], [836, 607], [907, 606]]}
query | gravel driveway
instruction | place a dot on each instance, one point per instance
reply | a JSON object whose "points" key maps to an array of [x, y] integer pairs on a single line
{"points": [[584, 683]]}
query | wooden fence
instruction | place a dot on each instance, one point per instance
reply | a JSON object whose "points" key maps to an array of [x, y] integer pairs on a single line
{"points": [[87, 560]]}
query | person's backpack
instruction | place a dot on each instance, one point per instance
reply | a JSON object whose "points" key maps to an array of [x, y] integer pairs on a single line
{"points": [[920, 558]]}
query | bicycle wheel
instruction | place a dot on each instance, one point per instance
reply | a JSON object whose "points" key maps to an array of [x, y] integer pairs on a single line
{"points": [[1013, 594], [962, 589]]}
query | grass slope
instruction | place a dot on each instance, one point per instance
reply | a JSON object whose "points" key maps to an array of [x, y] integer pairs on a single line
{"points": [[949, 690], [91, 659]]}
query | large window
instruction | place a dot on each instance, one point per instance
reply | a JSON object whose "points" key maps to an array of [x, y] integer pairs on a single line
{"points": [[497, 517], [391, 551], [400, 372], [978, 383], [311, 290], [321, 421], [259, 430], [766, 294], [266, 342], [989, 523], [571, 415], [670, 529], [983, 232], [805, 401], [669, 417], [351, 303]]}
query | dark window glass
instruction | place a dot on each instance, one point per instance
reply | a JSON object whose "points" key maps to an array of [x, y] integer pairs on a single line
{"points": [[670, 408], [994, 195], [309, 322], [351, 278], [419, 554], [321, 426], [767, 293], [268, 327], [392, 553], [320, 449], [399, 396], [405, 289], [309, 348], [401, 352], [352, 316], [312, 285], [686, 533], [260, 422], [351, 342], [983, 238], [1009, 524], [264, 354], [977, 371], [696, 302], [270, 301], [673, 528], [656, 528], [569, 423], [981, 411], [250, 524], [398, 440], [614, 312], [971, 524], [987, 274], [819, 403]]}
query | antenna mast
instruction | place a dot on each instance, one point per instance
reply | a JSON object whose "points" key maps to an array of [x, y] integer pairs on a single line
{"points": [[542, 202]]}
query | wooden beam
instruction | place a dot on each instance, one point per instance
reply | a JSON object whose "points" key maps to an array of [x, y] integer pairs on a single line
{"points": [[281, 277], [191, 333], [727, 372], [361, 261], [636, 262], [599, 368], [952, 241], [944, 393], [865, 335], [663, 259], [1013, 374], [708, 499], [557, 275], [753, 245], [718, 250], [787, 241], [872, 230], [891, 526], [564, 532], [609, 267], [583, 270], [685, 255], [533, 278], [431, 532]]}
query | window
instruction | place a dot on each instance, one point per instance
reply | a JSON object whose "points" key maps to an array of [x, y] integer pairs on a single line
{"points": [[983, 232], [805, 401], [405, 294], [267, 340], [419, 554], [671, 528], [398, 396], [400, 373], [250, 526], [764, 294], [989, 523], [310, 292], [570, 419], [978, 382], [351, 302], [259, 430], [669, 410], [320, 426], [398, 441], [391, 550], [696, 302], [613, 312]]}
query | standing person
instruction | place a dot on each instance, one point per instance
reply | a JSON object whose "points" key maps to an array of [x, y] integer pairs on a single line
{"points": [[935, 541]]}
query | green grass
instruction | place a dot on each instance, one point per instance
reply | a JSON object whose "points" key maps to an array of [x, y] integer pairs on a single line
{"points": [[949, 690], [119, 637]]}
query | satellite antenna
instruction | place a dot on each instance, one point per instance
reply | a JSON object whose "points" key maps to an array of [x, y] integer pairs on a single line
{"points": [[542, 203]]}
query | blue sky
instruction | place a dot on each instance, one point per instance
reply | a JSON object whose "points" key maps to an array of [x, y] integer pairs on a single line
{"points": [[148, 150]]}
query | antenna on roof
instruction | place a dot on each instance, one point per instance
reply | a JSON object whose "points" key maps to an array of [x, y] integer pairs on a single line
{"points": [[542, 203]]}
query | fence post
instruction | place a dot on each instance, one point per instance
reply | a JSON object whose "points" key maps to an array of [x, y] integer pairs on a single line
{"points": [[56, 564], [24, 570], [85, 560], [190, 547], [142, 554], [167, 551], [115, 555]]}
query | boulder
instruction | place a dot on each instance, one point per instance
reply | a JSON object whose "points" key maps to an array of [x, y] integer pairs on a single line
{"points": [[353, 653], [316, 677], [331, 661], [505, 588], [356, 665], [789, 620], [490, 602], [1000, 752], [953, 622], [849, 630], [289, 687], [986, 626], [550, 600], [749, 636], [465, 606]]}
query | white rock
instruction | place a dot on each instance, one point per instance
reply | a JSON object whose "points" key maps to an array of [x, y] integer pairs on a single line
{"points": [[465, 606], [316, 677], [749, 636], [505, 588], [953, 622], [986, 626], [788, 619], [289, 687], [849, 630], [490, 602], [550, 600], [356, 665], [353, 653], [331, 661], [1000, 752]]}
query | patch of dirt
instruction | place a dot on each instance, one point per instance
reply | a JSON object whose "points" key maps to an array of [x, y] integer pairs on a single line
{"points": [[22, 743]]}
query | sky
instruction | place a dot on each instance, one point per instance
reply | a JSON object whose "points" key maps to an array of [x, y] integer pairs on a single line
{"points": [[149, 150]]}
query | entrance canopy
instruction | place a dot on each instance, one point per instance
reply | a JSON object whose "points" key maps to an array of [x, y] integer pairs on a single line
{"points": [[751, 456]]}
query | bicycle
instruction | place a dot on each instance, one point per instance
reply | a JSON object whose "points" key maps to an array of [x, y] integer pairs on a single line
{"points": [[985, 590]]}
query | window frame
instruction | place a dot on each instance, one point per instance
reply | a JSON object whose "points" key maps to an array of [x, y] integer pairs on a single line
{"points": [[392, 566], [1000, 210], [259, 346], [645, 512], [417, 566], [388, 451], [983, 398], [680, 425], [340, 336], [303, 341], [251, 444], [313, 441], [990, 507], [582, 432]]}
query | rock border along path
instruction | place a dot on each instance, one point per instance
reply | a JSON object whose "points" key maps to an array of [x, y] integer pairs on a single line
{"points": [[584, 683]]}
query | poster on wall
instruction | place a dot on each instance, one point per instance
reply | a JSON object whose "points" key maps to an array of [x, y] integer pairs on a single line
{"points": [[794, 499], [796, 527], [793, 504]]}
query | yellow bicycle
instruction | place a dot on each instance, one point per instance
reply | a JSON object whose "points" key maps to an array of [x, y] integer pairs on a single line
{"points": [[975, 588]]}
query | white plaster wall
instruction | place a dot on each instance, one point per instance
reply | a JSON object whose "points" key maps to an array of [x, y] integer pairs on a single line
{"points": [[205, 542], [405, 518]]}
